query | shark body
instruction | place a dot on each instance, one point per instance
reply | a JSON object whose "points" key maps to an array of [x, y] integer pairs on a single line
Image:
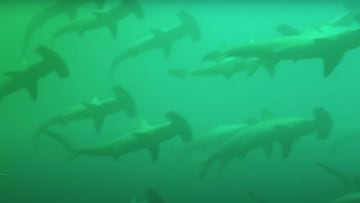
{"points": [[226, 67], [214, 138], [266, 133], [100, 20], [147, 138], [162, 39], [329, 46], [27, 78], [58, 8], [97, 110]]}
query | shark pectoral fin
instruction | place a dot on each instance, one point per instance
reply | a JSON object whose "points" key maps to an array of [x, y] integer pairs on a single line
{"points": [[228, 75], [286, 149], [98, 122], [167, 49], [331, 58], [81, 32], [270, 66], [330, 62], [154, 152], [115, 157], [113, 30], [268, 150], [32, 90], [252, 70]]}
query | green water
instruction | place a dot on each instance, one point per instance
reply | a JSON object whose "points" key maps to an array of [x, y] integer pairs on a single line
{"points": [[46, 174]]}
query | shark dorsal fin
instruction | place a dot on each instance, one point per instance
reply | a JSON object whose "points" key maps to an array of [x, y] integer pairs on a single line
{"points": [[31, 88], [268, 149], [113, 30], [154, 151], [286, 149], [98, 122]]}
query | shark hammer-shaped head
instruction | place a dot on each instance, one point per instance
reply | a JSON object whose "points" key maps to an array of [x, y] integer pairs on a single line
{"points": [[126, 100], [54, 61], [324, 122], [189, 23], [181, 125]]}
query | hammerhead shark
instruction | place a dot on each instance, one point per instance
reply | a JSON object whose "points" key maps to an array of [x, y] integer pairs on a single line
{"points": [[266, 133], [330, 46], [57, 8], [346, 19], [226, 67], [27, 78], [351, 181], [146, 138], [96, 109], [214, 137], [162, 39], [107, 19]]}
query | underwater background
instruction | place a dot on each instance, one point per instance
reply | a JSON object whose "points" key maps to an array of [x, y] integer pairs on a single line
{"points": [[46, 174]]}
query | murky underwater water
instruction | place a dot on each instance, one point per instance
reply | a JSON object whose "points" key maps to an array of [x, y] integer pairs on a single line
{"points": [[99, 100]]}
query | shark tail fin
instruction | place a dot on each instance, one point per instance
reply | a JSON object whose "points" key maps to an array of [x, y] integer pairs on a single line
{"points": [[190, 24], [62, 141], [135, 8], [181, 125], [127, 101], [324, 122], [154, 197], [54, 60], [179, 73]]}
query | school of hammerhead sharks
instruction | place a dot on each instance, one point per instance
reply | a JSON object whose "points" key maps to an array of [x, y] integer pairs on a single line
{"points": [[328, 42]]}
